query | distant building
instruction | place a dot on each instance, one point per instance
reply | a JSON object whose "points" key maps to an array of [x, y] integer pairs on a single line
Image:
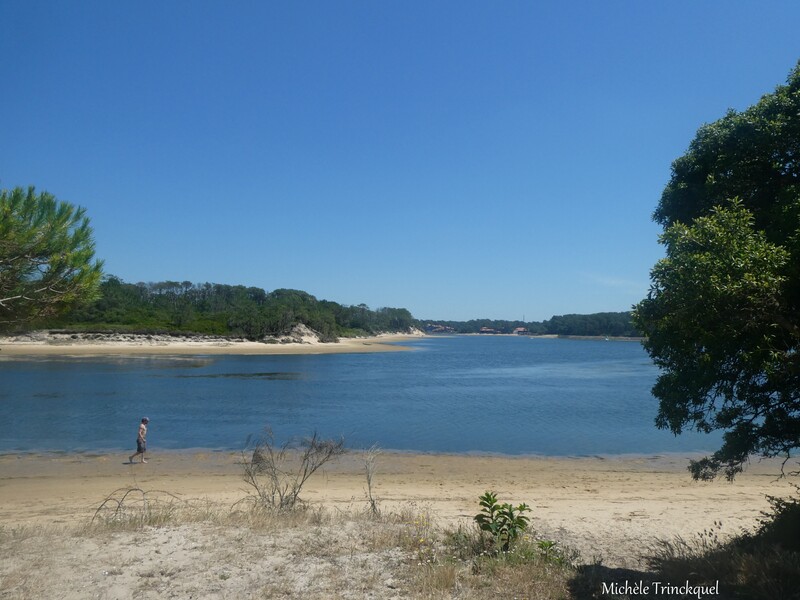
{"points": [[521, 331], [487, 330]]}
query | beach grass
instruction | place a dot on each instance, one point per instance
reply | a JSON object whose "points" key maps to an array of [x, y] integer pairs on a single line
{"points": [[151, 544], [78, 527], [156, 544]]}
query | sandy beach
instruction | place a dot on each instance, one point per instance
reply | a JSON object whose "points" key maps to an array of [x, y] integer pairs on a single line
{"points": [[43, 345], [604, 507], [608, 509]]}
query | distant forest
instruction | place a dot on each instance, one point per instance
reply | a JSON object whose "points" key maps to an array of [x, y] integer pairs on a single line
{"points": [[615, 324], [225, 310], [185, 308]]}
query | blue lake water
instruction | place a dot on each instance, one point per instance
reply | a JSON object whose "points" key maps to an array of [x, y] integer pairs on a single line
{"points": [[455, 394]]}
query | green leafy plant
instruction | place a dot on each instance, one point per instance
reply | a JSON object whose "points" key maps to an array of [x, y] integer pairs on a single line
{"points": [[547, 547], [504, 521]]}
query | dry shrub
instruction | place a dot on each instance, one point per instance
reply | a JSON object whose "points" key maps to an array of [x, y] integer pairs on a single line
{"points": [[276, 473], [370, 459], [135, 508]]}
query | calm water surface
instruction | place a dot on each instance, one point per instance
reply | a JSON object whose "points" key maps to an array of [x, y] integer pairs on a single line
{"points": [[459, 394]]}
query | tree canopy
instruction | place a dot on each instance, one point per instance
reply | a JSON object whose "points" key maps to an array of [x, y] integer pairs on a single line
{"points": [[46, 257], [723, 312], [616, 324], [229, 310]]}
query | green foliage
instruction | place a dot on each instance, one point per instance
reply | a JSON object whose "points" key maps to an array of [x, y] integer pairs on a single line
{"points": [[723, 313], [46, 254], [475, 325], [617, 324], [751, 155], [779, 527], [214, 309], [504, 521], [709, 318]]}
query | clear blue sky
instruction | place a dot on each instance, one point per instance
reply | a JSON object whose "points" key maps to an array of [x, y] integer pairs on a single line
{"points": [[459, 159]]}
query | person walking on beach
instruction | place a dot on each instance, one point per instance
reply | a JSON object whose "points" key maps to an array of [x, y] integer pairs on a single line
{"points": [[141, 441]]}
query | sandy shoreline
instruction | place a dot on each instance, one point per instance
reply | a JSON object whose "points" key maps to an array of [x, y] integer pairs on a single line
{"points": [[604, 507], [157, 345]]}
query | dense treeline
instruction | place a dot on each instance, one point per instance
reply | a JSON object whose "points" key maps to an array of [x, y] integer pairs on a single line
{"points": [[617, 324], [252, 313], [215, 309]]}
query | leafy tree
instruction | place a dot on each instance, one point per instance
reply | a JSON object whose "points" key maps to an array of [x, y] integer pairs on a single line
{"points": [[46, 254], [723, 313], [596, 324], [185, 308]]}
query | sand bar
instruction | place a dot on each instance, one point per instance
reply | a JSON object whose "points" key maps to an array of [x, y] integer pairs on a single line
{"points": [[602, 506], [157, 345]]}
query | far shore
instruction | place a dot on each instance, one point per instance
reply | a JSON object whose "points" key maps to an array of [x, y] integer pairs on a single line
{"points": [[558, 336], [130, 345], [42, 344]]}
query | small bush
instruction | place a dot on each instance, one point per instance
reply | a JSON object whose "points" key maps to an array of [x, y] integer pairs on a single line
{"points": [[503, 521], [780, 526], [370, 458]]}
